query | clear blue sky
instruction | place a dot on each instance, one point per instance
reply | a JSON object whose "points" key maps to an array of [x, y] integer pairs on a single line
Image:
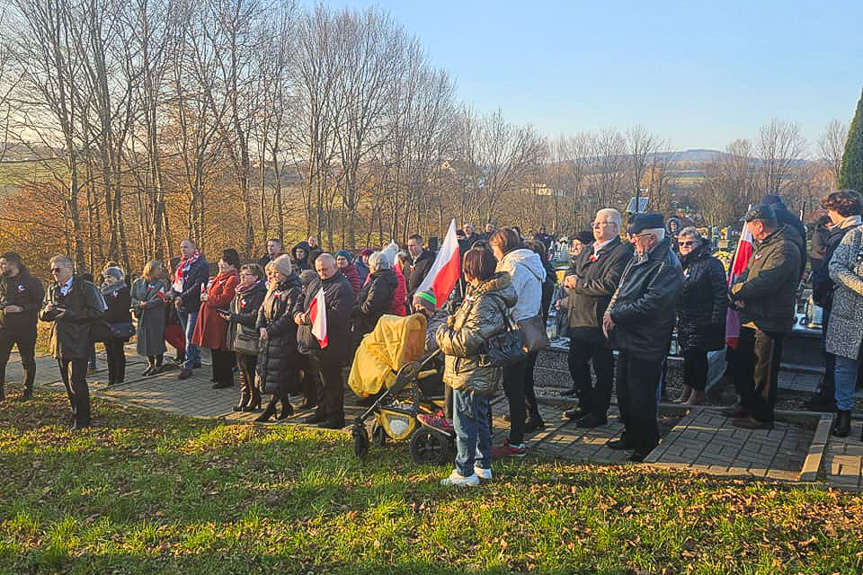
{"points": [[698, 73]]}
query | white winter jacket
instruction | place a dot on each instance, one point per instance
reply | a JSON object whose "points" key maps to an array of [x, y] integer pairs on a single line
{"points": [[527, 273]]}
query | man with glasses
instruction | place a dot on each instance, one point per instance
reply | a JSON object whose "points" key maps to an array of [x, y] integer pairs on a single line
{"points": [[639, 322], [20, 299], [71, 306], [590, 282], [189, 281]]}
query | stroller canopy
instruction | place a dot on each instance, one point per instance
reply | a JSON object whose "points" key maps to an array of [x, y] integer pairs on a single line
{"points": [[394, 342]]}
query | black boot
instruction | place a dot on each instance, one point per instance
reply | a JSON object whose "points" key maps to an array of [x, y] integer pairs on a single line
{"points": [[268, 412], [842, 425], [28, 392], [287, 408], [254, 403], [244, 401], [2, 392]]}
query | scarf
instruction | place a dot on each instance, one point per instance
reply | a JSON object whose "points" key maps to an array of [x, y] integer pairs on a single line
{"points": [[183, 268], [241, 289], [108, 289]]}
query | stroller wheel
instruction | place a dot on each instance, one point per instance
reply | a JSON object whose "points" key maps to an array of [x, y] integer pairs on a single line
{"points": [[379, 435], [428, 447], [361, 441]]}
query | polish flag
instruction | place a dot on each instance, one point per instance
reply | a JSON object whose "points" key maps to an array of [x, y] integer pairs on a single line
{"points": [[446, 269], [738, 265], [318, 317]]}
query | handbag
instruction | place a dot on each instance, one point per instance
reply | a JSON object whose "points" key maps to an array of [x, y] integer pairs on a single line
{"points": [[507, 347], [123, 330], [534, 333], [100, 331], [245, 342]]}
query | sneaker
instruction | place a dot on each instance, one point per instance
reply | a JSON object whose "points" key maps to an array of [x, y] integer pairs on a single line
{"points": [[456, 478], [437, 421], [482, 473], [185, 373], [574, 414], [507, 450]]}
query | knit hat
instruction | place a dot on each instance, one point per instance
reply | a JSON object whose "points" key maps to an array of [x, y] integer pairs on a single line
{"points": [[283, 264], [114, 272], [345, 254], [425, 299], [307, 276], [367, 252]]}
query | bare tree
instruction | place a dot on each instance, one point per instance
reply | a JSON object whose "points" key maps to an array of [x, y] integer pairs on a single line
{"points": [[780, 148], [831, 144], [640, 146]]}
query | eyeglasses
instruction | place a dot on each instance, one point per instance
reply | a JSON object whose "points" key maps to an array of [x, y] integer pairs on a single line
{"points": [[56, 270], [686, 244]]}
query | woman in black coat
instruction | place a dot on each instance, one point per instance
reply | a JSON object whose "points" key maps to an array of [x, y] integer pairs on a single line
{"points": [[375, 297], [700, 312], [118, 314], [279, 359], [243, 335]]}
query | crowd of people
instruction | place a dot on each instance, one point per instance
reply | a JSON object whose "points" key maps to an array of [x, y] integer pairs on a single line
{"points": [[628, 287]]}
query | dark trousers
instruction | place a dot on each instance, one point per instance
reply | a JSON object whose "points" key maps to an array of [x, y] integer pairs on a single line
{"points": [[247, 364], [757, 362], [26, 342], [513, 386], [74, 375], [530, 403], [116, 360], [308, 380], [637, 381], [329, 373], [223, 365], [592, 399], [695, 369]]}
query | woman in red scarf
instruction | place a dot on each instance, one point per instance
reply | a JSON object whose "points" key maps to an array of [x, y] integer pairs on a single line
{"points": [[211, 329]]}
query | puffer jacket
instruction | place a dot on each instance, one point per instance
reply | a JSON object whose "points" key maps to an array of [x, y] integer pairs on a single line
{"points": [[350, 272], [846, 316], [768, 285], [374, 301], [278, 356], [244, 311], [397, 306], [527, 273], [598, 278], [70, 334], [643, 307], [480, 316], [703, 302]]}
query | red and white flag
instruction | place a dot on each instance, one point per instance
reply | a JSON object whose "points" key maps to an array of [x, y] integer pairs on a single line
{"points": [[445, 270], [738, 265], [318, 317]]}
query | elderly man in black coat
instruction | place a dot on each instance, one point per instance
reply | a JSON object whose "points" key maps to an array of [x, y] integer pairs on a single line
{"points": [[639, 322], [71, 306]]}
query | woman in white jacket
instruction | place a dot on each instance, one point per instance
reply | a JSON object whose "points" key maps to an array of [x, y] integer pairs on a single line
{"points": [[527, 273]]}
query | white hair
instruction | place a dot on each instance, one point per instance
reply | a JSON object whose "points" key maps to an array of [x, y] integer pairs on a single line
{"points": [[611, 215], [380, 261]]}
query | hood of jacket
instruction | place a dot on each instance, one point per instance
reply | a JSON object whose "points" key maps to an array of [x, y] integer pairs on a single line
{"points": [[388, 275], [301, 245], [290, 282], [527, 273], [499, 284], [527, 258]]}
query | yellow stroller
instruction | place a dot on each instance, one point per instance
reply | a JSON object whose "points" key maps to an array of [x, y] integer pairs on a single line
{"points": [[391, 358]]}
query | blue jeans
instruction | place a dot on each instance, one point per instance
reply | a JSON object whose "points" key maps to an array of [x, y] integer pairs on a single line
{"points": [[193, 352], [473, 431], [845, 379]]}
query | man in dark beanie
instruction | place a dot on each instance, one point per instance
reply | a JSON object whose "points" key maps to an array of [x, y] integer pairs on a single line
{"points": [[766, 296], [21, 297], [638, 322]]}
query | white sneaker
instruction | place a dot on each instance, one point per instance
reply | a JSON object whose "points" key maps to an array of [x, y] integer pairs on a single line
{"points": [[456, 478], [484, 474]]}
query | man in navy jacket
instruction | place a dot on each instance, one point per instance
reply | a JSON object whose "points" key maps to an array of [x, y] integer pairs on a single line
{"points": [[189, 279]]}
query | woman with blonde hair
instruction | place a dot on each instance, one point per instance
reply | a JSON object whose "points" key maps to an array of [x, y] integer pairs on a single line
{"points": [[148, 305]]}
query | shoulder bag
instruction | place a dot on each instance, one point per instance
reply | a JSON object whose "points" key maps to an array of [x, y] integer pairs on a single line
{"points": [[507, 347]]}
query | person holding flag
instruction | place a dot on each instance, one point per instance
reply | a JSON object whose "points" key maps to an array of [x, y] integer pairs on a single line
{"points": [[324, 334], [765, 294]]}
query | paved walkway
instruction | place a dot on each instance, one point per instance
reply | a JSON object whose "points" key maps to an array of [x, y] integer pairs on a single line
{"points": [[798, 449]]}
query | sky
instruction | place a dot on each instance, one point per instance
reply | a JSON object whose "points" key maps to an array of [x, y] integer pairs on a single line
{"points": [[699, 74]]}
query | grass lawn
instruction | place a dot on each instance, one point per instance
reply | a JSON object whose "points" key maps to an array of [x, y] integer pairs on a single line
{"points": [[150, 493]]}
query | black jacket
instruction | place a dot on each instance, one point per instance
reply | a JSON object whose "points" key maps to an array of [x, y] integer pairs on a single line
{"points": [[339, 298], [768, 285], [643, 307], [198, 275], [278, 357], [598, 280], [25, 291], [418, 272], [786, 218], [70, 334], [300, 264], [703, 302], [374, 300], [119, 306], [823, 285], [244, 311]]}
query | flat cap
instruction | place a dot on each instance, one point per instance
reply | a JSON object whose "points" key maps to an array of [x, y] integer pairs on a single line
{"points": [[648, 221], [762, 212]]}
